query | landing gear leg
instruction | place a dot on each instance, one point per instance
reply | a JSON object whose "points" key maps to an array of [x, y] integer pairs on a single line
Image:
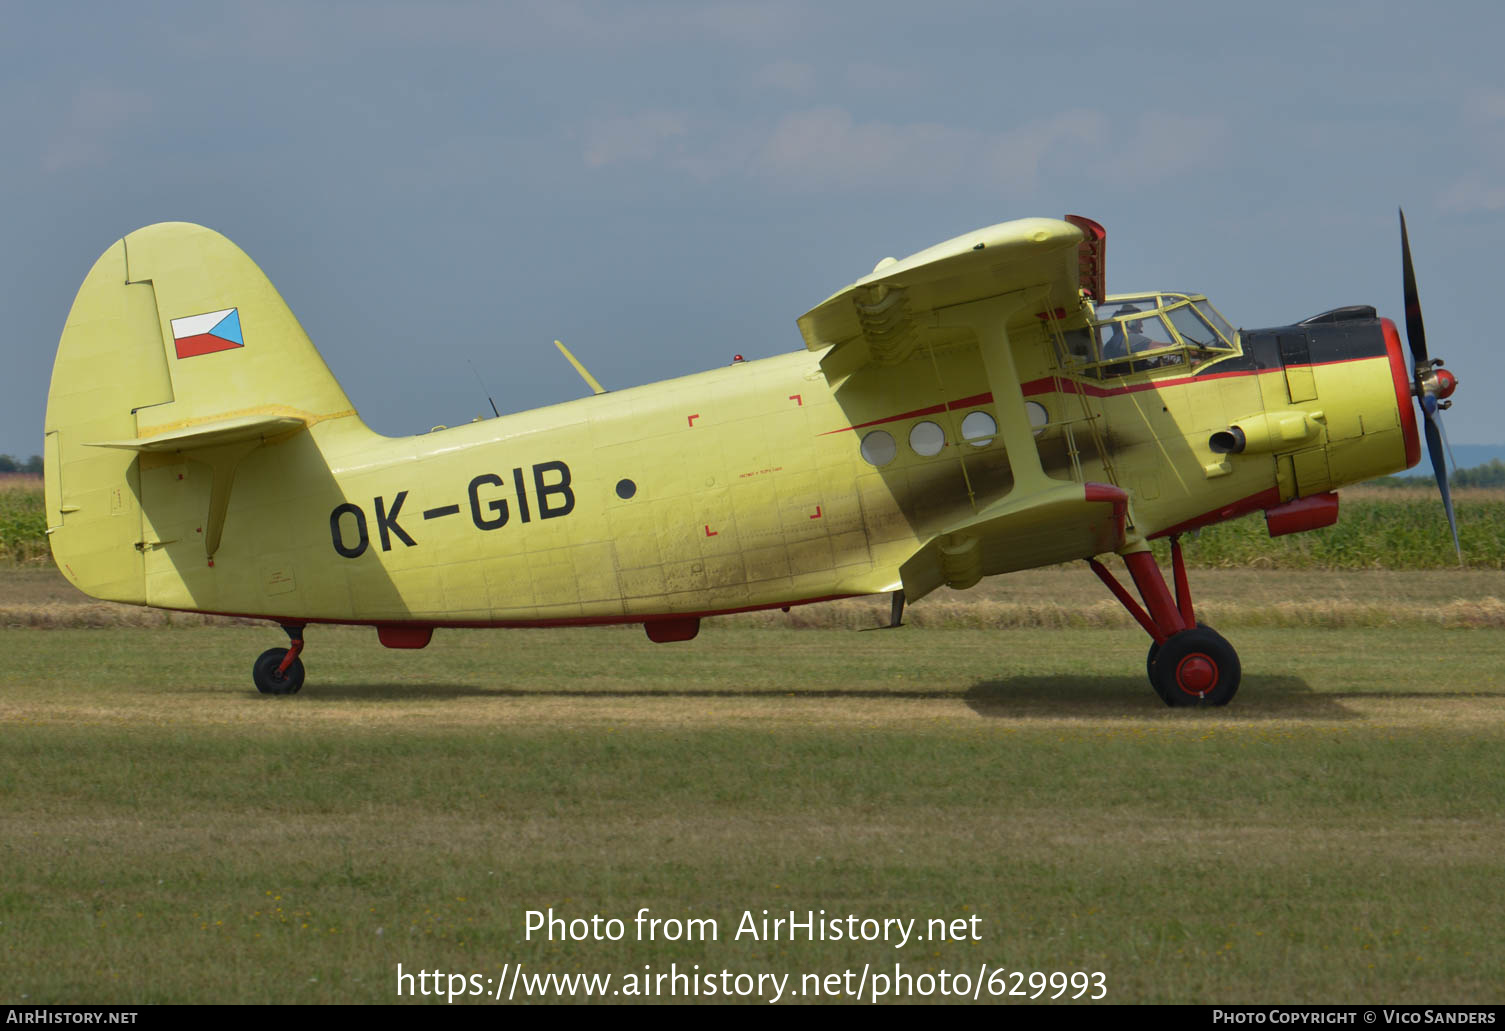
{"points": [[1188, 663], [279, 670]]}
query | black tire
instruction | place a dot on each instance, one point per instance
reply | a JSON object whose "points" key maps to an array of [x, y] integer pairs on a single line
{"points": [[1149, 668], [264, 672], [1197, 667]]}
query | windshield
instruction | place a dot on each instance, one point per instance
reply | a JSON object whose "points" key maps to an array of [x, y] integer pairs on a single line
{"points": [[1211, 314], [1169, 329]]}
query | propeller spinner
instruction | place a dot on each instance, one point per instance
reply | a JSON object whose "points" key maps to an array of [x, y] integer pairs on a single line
{"points": [[1431, 383]]}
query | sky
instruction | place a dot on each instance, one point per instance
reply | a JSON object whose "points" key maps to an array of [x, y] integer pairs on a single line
{"points": [[439, 186]]}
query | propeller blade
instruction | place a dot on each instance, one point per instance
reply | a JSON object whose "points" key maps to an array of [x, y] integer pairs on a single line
{"points": [[1416, 334], [1439, 468], [1452, 462]]}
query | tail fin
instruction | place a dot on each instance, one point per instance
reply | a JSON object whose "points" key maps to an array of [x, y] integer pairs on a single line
{"points": [[178, 343]]}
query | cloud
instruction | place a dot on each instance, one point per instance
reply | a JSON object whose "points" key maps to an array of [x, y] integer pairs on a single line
{"points": [[742, 22], [635, 138], [870, 76], [791, 76], [828, 147], [1480, 189], [283, 29], [1160, 145], [96, 118], [1474, 195]]}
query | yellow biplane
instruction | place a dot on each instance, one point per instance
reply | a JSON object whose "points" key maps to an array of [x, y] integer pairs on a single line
{"points": [[978, 408]]}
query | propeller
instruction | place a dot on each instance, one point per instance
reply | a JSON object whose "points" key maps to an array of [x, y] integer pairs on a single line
{"points": [[1432, 384]]}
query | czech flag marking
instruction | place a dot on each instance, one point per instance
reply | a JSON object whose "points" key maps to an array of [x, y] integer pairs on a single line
{"points": [[207, 333]]}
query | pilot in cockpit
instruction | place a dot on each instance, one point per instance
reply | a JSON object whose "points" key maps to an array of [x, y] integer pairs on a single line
{"points": [[1121, 344]]}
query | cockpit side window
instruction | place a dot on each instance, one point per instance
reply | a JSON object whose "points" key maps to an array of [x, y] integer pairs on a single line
{"points": [[1131, 332]]}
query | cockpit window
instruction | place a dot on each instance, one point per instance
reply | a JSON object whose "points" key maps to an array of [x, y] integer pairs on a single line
{"points": [[1210, 313], [1131, 331], [1137, 334], [1193, 328]]}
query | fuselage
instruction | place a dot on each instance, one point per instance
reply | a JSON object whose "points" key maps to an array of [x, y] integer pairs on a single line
{"points": [[761, 484]]}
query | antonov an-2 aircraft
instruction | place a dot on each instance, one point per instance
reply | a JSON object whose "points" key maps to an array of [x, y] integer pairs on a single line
{"points": [[978, 408]]}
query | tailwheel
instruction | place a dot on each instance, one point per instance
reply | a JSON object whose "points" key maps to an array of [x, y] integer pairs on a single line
{"points": [[279, 670], [1195, 667], [269, 680]]}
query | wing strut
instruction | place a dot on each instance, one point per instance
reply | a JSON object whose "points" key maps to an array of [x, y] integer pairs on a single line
{"points": [[988, 319]]}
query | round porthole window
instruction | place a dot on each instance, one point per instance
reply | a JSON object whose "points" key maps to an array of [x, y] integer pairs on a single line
{"points": [[979, 429], [878, 448], [927, 439], [1038, 416]]}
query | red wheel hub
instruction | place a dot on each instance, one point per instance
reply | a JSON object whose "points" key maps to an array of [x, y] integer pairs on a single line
{"points": [[1196, 674]]}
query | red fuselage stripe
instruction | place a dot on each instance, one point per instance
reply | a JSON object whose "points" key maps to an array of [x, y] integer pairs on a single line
{"points": [[1047, 385], [966, 402]]}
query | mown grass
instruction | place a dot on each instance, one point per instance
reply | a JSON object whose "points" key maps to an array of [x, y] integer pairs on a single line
{"points": [[169, 835]]}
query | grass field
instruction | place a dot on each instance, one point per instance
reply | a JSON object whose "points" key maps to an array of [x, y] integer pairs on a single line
{"points": [[169, 835]]}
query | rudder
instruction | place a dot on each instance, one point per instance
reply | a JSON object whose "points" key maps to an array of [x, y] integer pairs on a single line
{"points": [[177, 342]]}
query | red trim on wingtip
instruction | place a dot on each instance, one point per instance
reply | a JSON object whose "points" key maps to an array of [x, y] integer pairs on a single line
{"points": [[1401, 373], [1103, 493]]}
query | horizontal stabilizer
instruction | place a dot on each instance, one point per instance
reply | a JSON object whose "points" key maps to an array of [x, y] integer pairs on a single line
{"points": [[245, 429], [220, 444], [1060, 524]]}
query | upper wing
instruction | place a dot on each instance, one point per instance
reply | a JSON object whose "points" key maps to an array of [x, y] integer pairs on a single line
{"points": [[977, 284], [879, 317], [985, 286]]}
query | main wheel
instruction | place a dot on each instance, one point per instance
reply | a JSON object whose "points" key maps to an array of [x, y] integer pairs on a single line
{"points": [[269, 681], [1149, 668], [1196, 667]]}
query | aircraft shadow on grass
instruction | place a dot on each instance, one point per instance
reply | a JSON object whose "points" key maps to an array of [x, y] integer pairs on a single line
{"points": [[387, 692], [1262, 697]]}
